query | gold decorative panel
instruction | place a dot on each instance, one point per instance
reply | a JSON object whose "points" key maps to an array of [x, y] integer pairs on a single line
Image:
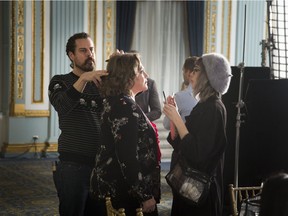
{"points": [[92, 20], [20, 78], [218, 25], [20, 26], [38, 37], [109, 28], [17, 56]]}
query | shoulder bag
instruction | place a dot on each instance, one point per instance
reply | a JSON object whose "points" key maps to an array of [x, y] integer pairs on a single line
{"points": [[189, 183]]}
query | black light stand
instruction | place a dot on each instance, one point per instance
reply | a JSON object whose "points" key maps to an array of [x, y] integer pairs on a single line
{"points": [[239, 105]]}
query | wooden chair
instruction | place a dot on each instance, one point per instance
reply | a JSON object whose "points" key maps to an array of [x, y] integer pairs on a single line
{"points": [[240, 194], [111, 211]]}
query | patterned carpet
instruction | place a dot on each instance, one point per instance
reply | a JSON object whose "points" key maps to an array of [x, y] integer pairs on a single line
{"points": [[27, 188]]}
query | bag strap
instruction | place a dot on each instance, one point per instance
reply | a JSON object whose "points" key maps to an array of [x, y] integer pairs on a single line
{"points": [[212, 174]]}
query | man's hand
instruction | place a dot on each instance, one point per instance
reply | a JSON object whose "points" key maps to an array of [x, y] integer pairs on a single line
{"points": [[93, 76], [149, 205]]}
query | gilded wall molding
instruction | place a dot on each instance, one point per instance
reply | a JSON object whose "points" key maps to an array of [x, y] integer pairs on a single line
{"points": [[226, 28], [207, 26], [41, 50], [217, 36], [21, 111], [210, 26], [12, 64], [29, 147], [17, 55], [20, 49], [213, 30], [18, 83], [92, 21], [109, 28]]}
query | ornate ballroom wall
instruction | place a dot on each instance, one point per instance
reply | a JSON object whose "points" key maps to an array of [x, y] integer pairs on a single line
{"points": [[33, 36], [33, 40]]}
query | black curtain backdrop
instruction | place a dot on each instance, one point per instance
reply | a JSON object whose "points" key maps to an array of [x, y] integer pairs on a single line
{"points": [[246, 145], [195, 16], [125, 20]]}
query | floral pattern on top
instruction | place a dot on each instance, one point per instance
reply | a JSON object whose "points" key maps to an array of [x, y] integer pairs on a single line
{"points": [[127, 158]]}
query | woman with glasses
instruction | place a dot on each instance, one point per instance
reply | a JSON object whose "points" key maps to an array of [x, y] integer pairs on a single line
{"points": [[202, 138]]}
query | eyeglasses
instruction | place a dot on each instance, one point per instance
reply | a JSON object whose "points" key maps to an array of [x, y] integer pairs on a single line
{"points": [[196, 70]]}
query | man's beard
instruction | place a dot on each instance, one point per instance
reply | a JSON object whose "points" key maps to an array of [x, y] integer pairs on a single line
{"points": [[87, 66]]}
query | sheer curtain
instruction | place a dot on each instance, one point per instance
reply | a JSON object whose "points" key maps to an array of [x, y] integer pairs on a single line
{"points": [[161, 39]]}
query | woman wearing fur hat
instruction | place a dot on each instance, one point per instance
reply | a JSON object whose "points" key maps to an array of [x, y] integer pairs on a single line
{"points": [[202, 139]]}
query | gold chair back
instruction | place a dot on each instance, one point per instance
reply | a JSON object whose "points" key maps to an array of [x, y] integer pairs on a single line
{"points": [[111, 211], [139, 212], [240, 194]]}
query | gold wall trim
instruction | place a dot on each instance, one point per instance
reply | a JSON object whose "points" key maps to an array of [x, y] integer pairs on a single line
{"points": [[95, 23], [33, 50], [226, 28], [213, 27], [92, 21], [207, 26], [20, 84], [37, 113], [17, 54], [109, 28], [19, 110], [17, 57], [20, 49], [17, 51], [12, 63], [42, 50], [89, 16], [29, 147], [108, 35], [223, 27]]}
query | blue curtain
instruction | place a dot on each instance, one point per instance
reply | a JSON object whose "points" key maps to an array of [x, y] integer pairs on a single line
{"points": [[125, 19], [195, 20]]}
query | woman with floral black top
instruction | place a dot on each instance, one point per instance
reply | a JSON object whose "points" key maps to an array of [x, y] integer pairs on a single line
{"points": [[126, 161]]}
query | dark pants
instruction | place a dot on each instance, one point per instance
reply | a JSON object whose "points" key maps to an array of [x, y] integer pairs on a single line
{"points": [[72, 183]]}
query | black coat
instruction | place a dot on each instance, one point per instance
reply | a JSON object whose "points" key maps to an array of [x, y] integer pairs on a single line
{"points": [[204, 149]]}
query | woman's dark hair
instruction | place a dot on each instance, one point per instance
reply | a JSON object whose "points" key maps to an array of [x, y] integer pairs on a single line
{"points": [[189, 63], [121, 69], [274, 196], [71, 45]]}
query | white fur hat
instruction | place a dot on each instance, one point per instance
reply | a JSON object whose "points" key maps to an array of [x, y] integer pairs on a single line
{"points": [[218, 71]]}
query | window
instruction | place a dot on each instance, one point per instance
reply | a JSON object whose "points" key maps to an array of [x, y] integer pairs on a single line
{"points": [[278, 37]]}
